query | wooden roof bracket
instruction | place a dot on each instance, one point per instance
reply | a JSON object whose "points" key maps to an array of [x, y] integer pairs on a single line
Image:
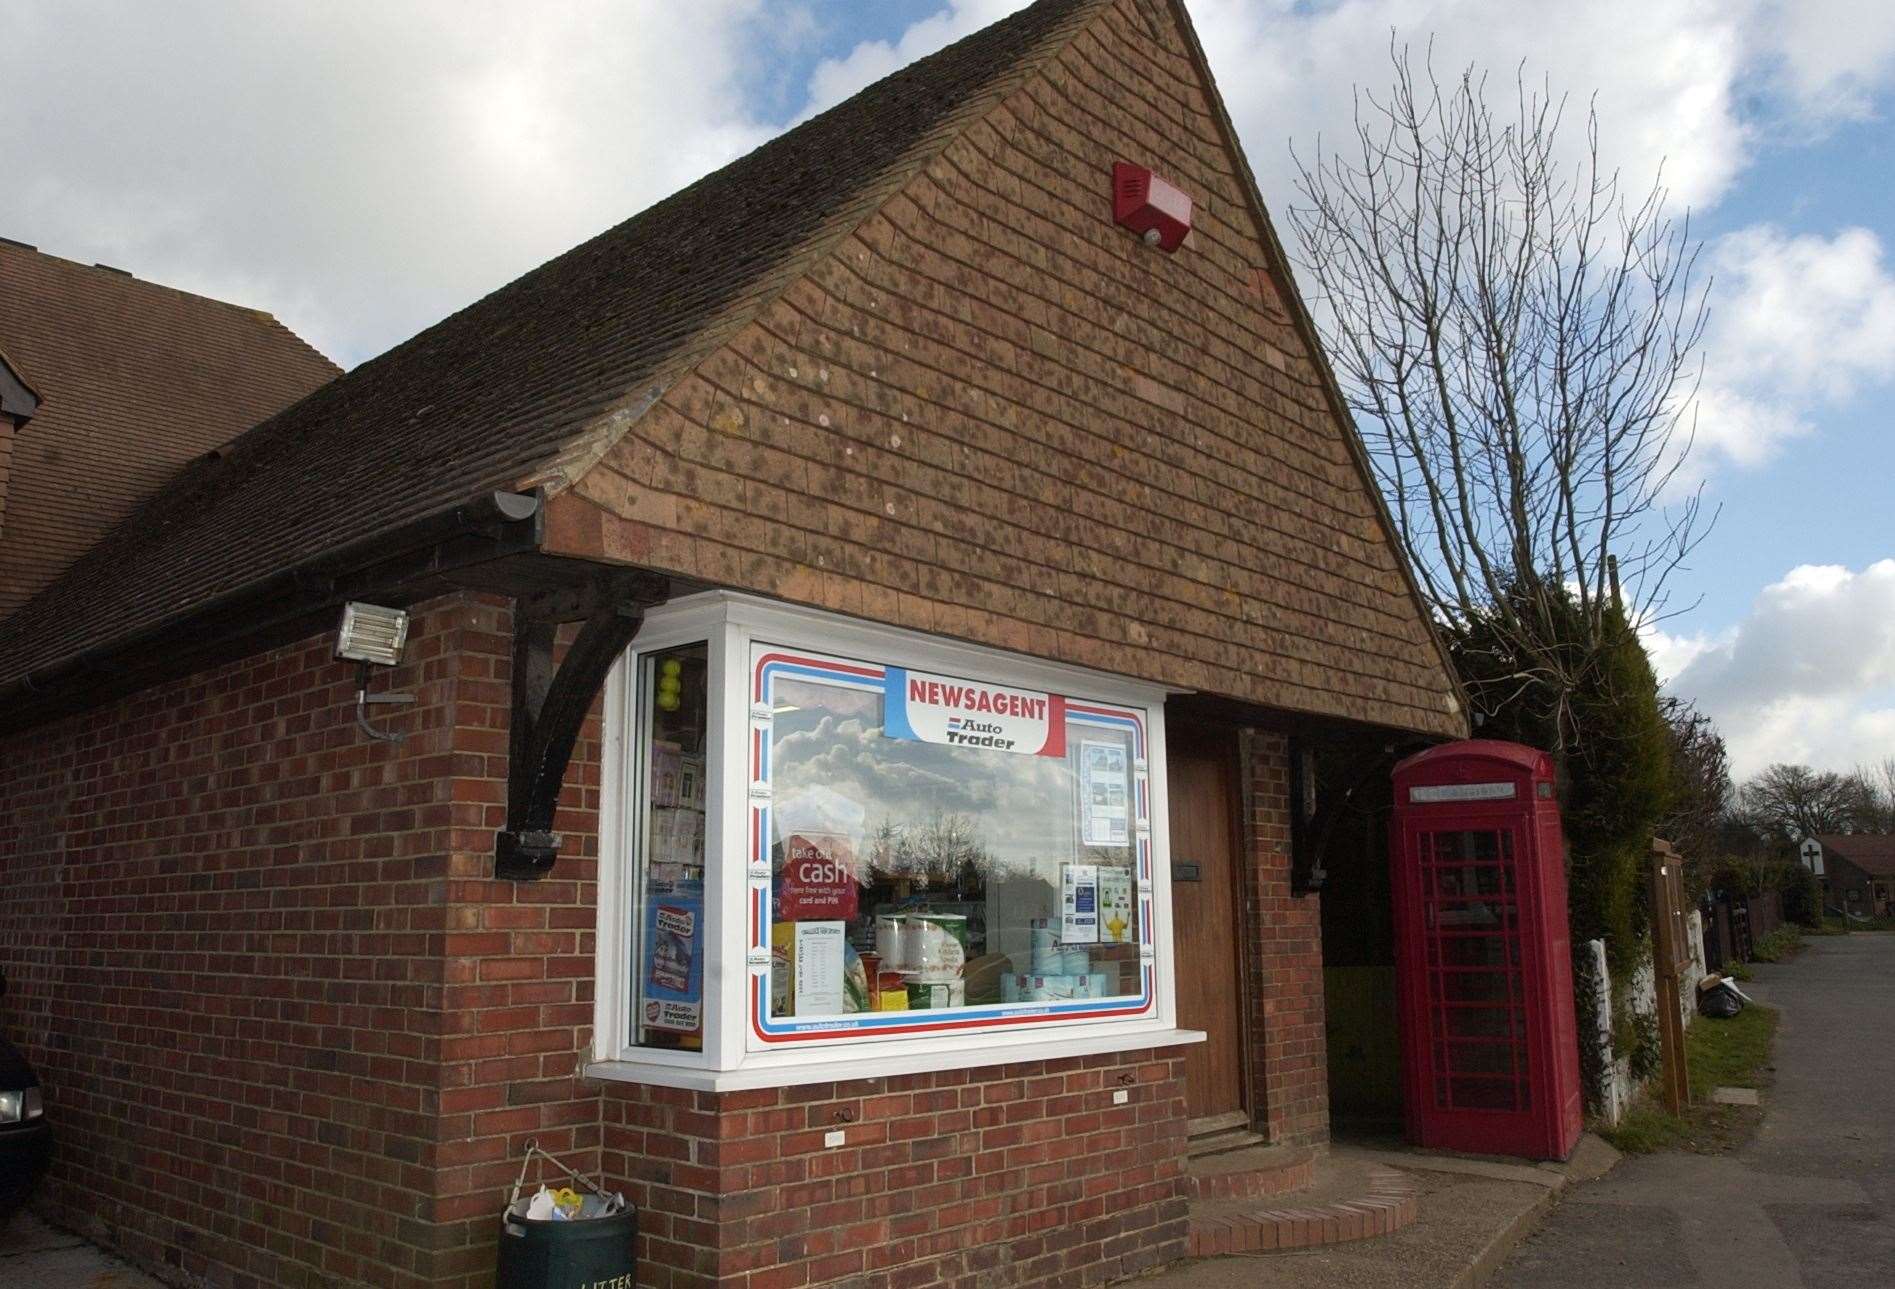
{"points": [[550, 705]]}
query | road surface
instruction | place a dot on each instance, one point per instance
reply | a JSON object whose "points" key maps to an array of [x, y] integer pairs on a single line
{"points": [[1809, 1203]]}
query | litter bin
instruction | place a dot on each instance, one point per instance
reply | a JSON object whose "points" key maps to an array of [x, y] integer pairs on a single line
{"points": [[596, 1249], [586, 1253]]}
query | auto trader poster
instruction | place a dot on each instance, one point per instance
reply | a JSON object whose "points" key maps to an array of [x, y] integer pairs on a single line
{"points": [[672, 981]]}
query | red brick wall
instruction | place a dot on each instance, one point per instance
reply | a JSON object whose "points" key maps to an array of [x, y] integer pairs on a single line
{"points": [[290, 1027], [1289, 1056], [517, 973], [294, 1033], [1017, 1174]]}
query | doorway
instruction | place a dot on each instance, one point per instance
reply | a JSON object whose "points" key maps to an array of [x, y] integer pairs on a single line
{"points": [[1206, 912], [1362, 1025]]}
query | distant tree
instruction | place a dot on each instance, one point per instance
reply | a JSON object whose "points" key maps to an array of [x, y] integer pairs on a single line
{"points": [[1791, 802], [1515, 337], [1877, 790], [945, 850]]}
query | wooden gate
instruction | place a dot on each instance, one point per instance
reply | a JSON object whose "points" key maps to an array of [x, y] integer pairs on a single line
{"points": [[1671, 958]]}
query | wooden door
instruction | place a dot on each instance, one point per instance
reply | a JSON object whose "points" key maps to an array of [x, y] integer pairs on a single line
{"points": [[1202, 774]]}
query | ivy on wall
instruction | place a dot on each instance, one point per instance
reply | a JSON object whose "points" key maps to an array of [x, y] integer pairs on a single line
{"points": [[1611, 752]]}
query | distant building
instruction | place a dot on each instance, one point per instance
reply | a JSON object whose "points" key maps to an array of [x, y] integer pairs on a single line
{"points": [[1859, 871], [108, 386]]}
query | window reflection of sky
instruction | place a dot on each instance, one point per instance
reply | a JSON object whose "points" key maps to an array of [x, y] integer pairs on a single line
{"points": [[830, 761]]}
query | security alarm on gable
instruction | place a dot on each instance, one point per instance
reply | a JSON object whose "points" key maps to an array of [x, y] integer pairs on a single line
{"points": [[1154, 209]]}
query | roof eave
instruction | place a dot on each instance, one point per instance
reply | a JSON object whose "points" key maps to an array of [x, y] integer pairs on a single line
{"points": [[239, 621]]}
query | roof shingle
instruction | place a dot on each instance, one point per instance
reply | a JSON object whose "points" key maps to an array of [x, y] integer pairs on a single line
{"points": [[1873, 853], [134, 379]]}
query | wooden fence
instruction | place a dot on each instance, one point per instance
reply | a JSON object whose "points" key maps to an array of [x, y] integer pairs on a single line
{"points": [[1733, 924]]}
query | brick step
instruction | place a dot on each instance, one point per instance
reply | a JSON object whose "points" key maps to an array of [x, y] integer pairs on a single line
{"points": [[1251, 1171], [1345, 1200]]}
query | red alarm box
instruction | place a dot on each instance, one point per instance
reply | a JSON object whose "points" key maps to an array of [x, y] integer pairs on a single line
{"points": [[1155, 210]]}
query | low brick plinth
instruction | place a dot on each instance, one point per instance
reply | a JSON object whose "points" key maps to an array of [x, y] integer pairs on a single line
{"points": [[1388, 1203]]}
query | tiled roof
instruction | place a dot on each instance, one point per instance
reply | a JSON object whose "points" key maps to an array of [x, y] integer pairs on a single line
{"points": [[134, 380], [1873, 853], [531, 382]]}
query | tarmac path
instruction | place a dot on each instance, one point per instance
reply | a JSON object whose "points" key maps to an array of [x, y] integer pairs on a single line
{"points": [[1809, 1203]]}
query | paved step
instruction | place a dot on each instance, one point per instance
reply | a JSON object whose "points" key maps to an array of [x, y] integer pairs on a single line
{"points": [[1250, 1172], [1344, 1199]]}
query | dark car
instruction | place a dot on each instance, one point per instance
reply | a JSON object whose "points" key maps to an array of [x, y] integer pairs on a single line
{"points": [[26, 1140]]}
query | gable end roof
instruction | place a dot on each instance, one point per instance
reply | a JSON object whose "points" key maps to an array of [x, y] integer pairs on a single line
{"points": [[1873, 853], [1305, 325]]}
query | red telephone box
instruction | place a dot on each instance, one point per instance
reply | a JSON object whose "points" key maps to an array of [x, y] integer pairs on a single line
{"points": [[1483, 954]]}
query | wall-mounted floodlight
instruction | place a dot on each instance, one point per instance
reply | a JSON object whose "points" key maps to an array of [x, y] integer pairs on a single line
{"points": [[372, 635]]}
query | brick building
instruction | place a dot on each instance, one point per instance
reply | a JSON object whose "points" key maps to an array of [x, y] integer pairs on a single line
{"points": [[871, 616], [1858, 872]]}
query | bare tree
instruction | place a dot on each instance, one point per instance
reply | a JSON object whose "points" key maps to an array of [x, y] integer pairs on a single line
{"points": [[1878, 795], [1515, 338], [1792, 802], [946, 849]]}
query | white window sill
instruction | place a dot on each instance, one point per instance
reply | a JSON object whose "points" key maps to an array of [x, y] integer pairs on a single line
{"points": [[861, 1064]]}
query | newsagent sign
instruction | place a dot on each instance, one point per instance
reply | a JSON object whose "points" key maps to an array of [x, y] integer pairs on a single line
{"points": [[925, 708]]}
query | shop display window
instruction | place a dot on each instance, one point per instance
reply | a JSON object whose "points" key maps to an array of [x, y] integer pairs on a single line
{"points": [[936, 853], [819, 834], [669, 1010]]}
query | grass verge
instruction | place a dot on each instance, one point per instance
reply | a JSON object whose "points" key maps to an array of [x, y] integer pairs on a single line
{"points": [[1732, 1053], [1844, 926], [1780, 944]]}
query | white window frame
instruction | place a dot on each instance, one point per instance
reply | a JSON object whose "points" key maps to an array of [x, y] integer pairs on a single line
{"points": [[732, 1055]]}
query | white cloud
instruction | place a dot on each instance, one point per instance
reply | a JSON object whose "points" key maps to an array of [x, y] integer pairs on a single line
{"points": [[1671, 654], [1809, 315], [1696, 84], [1799, 323], [1289, 70], [1807, 675], [361, 170], [1829, 57], [835, 79]]}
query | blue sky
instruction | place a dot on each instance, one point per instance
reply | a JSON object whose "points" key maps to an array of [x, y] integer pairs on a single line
{"points": [[1825, 501], [361, 170]]}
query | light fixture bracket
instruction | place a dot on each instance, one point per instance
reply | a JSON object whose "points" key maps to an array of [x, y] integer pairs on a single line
{"points": [[364, 699]]}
